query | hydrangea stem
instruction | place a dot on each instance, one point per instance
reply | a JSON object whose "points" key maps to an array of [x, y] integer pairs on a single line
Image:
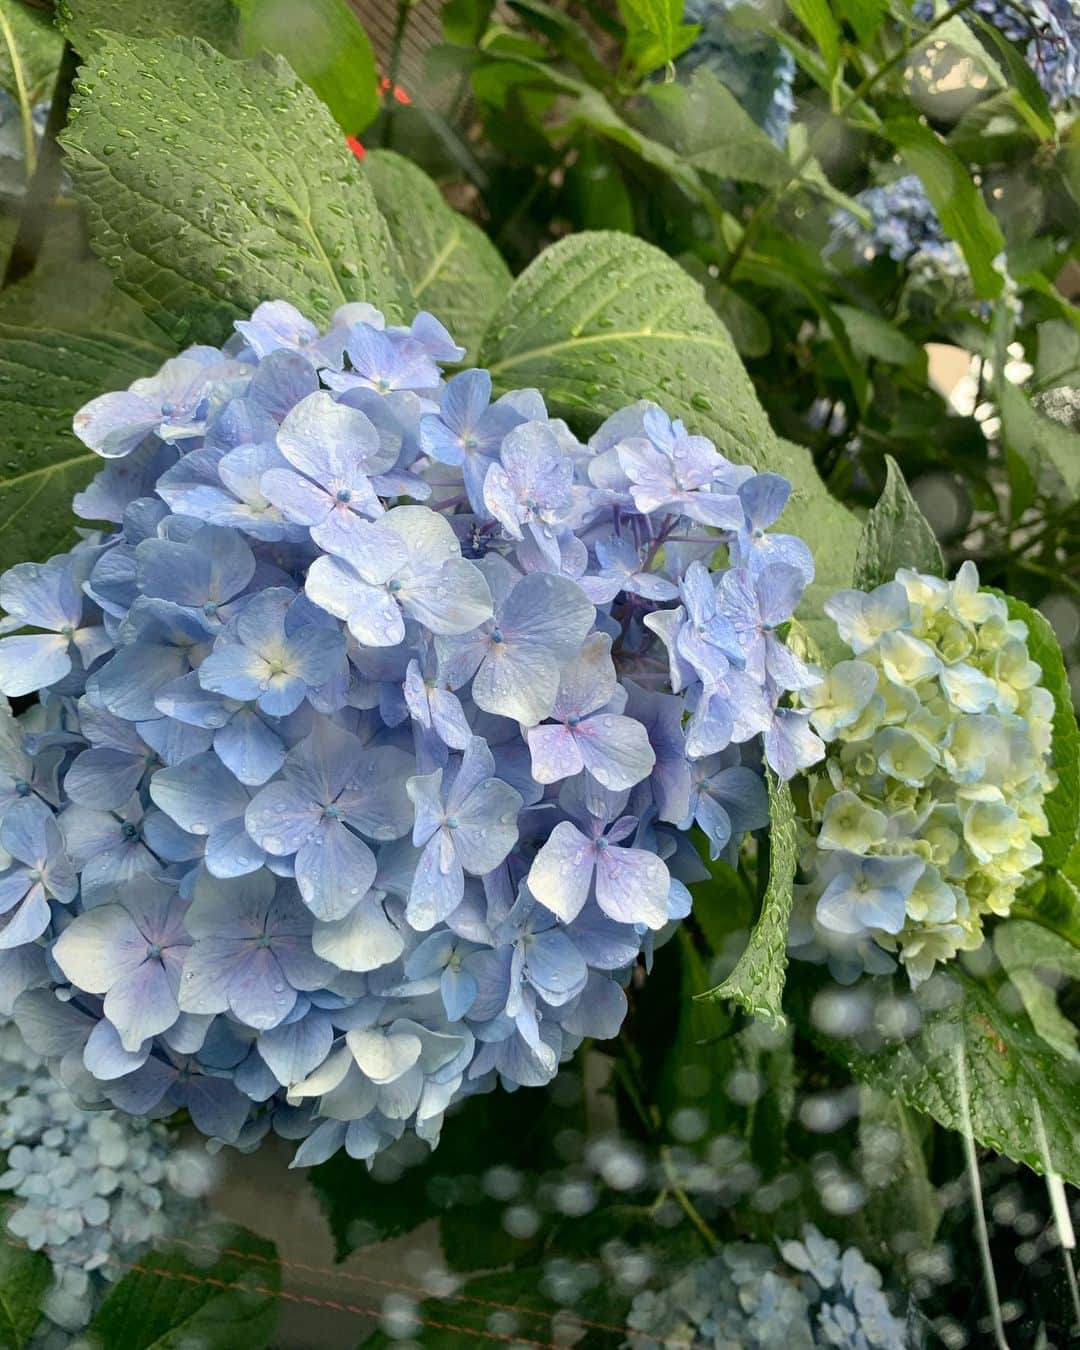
{"points": [[981, 1231], [46, 174], [26, 112]]}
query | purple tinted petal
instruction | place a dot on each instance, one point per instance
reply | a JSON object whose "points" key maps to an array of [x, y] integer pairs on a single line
{"points": [[141, 1004], [334, 870], [562, 872], [230, 850], [257, 991], [632, 886], [106, 1058], [763, 497], [438, 884], [615, 750], [281, 818], [555, 753], [293, 1051]]}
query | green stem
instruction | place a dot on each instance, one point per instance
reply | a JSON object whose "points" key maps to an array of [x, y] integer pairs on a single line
{"points": [[41, 192], [774, 195], [26, 112], [981, 1233], [401, 27], [686, 1204]]}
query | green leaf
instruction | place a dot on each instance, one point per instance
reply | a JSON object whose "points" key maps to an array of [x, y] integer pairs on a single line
{"points": [[1063, 803], [955, 197], [1049, 450], [465, 21], [1026, 91], [568, 37], [601, 319], [748, 326], [875, 337], [174, 1300], [1008, 1065], [896, 534], [84, 22], [757, 982], [66, 336], [819, 21], [326, 45], [1058, 358], [865, 16], [1053, 900], [517, 1130], [454, 269], [901, 1199], [707, 125], [779, 263], [29, 51], [25, 1276], [212, 185], [1035, 960], [596, 192], [702, 1050], [655, 31]]}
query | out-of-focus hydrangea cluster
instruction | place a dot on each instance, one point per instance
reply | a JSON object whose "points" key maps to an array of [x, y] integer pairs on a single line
{"points": [[336, 807], [749, 1298], [757, 69], [904, 226], [926, 813], [91, 1189], [1046, 31]]}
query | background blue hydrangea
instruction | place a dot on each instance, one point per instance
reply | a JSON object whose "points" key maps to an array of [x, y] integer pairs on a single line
{"points": [[91, 1189], [757, 69], [750, 1298]]}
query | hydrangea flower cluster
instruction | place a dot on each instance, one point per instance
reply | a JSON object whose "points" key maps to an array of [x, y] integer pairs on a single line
{"points": [[926, 813], [1047, 31], [337, 806], [753, 66], [89, 1188], [745, 1298], [903, 226]]}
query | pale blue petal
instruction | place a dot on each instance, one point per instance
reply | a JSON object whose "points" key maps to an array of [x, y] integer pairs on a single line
{"points": [[32, 662], [334, 870], [199, 794]]}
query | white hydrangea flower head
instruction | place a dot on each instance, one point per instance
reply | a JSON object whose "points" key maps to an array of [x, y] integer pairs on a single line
{"points": [[926, 814]]}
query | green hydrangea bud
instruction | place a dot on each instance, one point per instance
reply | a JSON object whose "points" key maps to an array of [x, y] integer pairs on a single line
{"points": [[926, 813]]}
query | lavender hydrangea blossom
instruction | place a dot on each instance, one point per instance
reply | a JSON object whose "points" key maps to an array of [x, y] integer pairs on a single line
{"points": [[335, 806]]}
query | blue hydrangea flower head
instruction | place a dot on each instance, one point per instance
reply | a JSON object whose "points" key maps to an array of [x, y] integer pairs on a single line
{"points": [[757, 69], [365, 736], [903, 226], [92, 1189], [810, 1294]]}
